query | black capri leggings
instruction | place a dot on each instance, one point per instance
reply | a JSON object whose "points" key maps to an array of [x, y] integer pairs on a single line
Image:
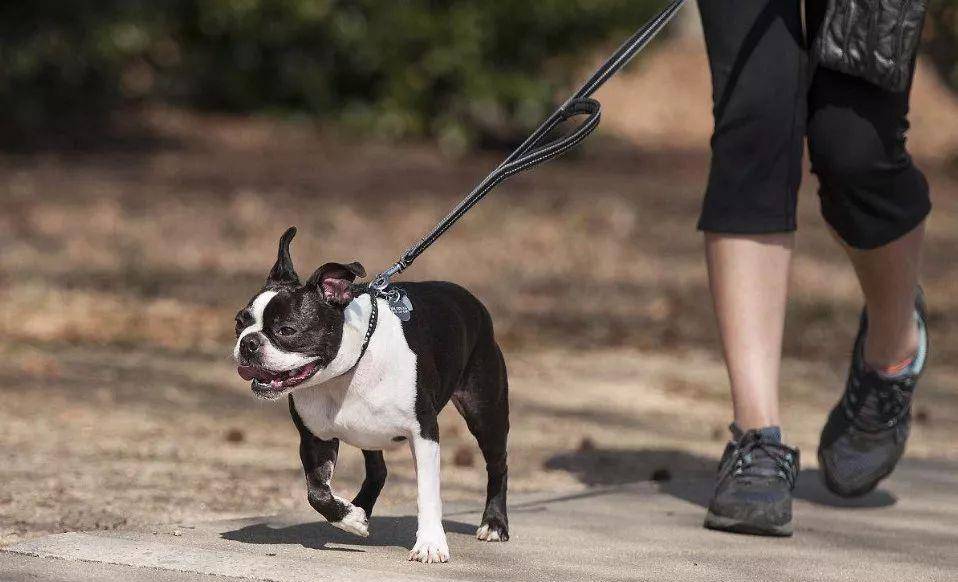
{"points": [[765, 104]]}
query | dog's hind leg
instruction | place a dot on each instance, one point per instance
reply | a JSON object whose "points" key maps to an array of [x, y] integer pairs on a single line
{"points": [[319, 462], [373, 483], [483, 400]]}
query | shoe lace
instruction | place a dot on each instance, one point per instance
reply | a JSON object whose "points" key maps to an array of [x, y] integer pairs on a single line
{"points": [[759, 457], [875, 403]]}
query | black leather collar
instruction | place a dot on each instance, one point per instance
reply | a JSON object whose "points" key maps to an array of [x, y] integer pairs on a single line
{"points": [[373, 321]]}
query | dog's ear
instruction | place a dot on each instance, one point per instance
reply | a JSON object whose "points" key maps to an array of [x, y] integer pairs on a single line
{"points": [[335, 280], [283, 272]]}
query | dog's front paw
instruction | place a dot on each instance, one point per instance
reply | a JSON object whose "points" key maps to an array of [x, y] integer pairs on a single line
{"points": [[355, 522], [494, 530], [430, 548]]}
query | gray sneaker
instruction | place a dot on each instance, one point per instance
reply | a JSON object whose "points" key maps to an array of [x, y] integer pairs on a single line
{"points": [[866, 432], [753, 491]]}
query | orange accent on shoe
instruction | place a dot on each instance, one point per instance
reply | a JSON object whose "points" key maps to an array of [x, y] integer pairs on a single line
{"points": [[895, 369]]}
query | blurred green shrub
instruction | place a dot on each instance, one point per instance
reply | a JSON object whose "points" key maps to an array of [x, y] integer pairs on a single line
{"points": [[463, 71], [58, 59]]}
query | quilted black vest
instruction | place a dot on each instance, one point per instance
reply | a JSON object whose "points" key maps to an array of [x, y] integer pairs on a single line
{"points": [[876, 40]]}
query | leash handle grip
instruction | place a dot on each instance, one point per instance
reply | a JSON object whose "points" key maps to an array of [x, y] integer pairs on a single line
{"points": [[528, 155], [572, 108], [525, 160]]}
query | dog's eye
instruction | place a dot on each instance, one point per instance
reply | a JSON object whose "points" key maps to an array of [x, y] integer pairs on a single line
{"points": [[286, 330]]}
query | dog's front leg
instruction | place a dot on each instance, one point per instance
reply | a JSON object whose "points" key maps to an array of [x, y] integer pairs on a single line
{"points": [[319, 461], [431, 543]]}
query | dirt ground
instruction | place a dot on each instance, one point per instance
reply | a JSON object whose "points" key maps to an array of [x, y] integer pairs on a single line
{"points": [[121, 269]]}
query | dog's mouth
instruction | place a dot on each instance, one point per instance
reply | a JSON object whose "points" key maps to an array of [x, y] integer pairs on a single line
{"points": [[264, 380]]}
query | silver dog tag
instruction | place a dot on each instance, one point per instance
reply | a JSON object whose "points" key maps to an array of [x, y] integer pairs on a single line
{"points": [[400, 305]]}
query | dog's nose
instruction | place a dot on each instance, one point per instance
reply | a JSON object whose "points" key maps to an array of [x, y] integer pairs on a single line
{"points": [[250, 345]]}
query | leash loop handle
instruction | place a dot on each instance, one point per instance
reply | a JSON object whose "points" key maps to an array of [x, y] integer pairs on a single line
{"points": [[521, 160], [525, 160], [572, 108], [547, 151]]}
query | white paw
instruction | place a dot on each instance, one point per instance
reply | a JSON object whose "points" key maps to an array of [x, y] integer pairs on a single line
{"points": [[486, 534], [355, 522], [430, 548]]}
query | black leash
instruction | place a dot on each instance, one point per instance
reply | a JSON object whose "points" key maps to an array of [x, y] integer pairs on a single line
{"points": [[531, 153]]}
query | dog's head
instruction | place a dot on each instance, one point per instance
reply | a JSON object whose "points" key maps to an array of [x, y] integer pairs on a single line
{"points": [[289, 331]]}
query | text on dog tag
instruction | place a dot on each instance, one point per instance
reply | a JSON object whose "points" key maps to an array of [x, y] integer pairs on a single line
{"points": [[400, 305]]}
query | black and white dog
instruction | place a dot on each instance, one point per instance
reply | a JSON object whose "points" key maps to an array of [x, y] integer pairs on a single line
{"points": [[312, 342]]}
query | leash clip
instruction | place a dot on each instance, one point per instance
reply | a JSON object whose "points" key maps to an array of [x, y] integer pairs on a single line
{"points": [[397, 301], [379, 284], [381, 281]]}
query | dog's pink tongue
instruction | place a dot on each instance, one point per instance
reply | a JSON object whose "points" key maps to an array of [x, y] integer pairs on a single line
{"points": [[246, 372]]}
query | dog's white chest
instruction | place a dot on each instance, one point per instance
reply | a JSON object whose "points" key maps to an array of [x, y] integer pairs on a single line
{"points": [[372, 405]]}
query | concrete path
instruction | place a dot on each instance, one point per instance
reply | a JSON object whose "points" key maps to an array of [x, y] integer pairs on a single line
{"points": [[905, 531]]}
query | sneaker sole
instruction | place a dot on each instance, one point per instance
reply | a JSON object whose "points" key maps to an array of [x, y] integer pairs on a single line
{"points": [[722, 523]]}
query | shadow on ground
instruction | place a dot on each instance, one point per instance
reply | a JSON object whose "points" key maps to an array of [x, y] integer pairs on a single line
{"points": [[677, 473], [686, 476], [384, 531]]}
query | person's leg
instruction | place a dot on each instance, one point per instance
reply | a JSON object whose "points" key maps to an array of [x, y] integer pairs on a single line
{"points": [[889, 279], [876, 201], [748, 279], [757, 61]]}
